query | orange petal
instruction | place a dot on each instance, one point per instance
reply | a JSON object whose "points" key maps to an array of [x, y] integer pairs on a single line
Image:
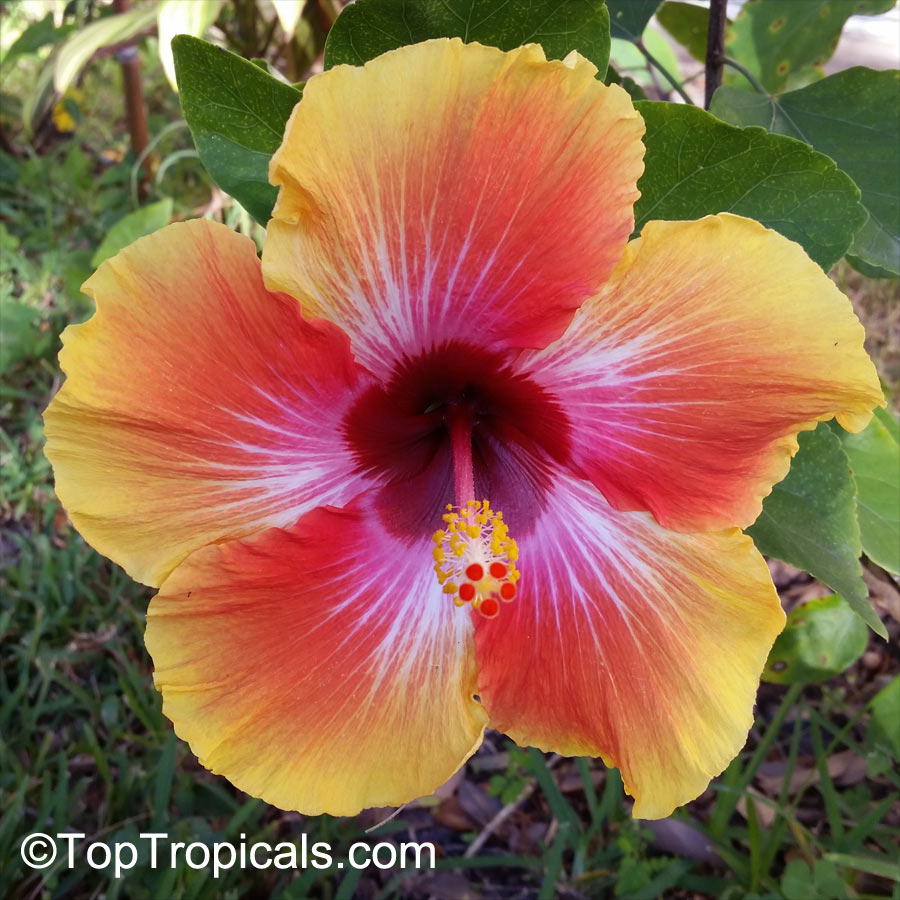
{"points": [[630, 642], [198, 406], [688, 377], [320, 668], [452, 191]]}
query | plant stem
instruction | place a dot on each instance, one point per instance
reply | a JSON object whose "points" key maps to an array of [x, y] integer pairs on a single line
{"points": [[715, 47], [663, 71], [734, 64]]}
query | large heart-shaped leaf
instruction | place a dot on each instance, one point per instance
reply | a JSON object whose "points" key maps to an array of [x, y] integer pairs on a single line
{"points": [[775, 38], [809, 521], [697, 165], [854, 118], [875, 460], [237, 114], [367, 28]]}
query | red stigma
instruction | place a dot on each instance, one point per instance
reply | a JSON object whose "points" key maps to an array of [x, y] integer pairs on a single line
{"points": [[475, 572], [467, 591], [507, 591], [498, 570], [489, 607]]}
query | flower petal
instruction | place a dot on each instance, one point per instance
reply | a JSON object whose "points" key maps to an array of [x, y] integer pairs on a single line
{"points": [[641, 645], [198, 406], [447, 191], [688, 377], [320, 668]]}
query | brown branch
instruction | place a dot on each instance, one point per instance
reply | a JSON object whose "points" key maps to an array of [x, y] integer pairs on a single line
{"points": [[715, 47], [135, 108], [7, 145]]}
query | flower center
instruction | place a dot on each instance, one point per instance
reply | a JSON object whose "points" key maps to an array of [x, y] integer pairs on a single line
{"points": [[399, 434], [474, 556]]}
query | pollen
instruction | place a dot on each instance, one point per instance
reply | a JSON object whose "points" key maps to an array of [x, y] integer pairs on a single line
{"points": [[475, 558]]}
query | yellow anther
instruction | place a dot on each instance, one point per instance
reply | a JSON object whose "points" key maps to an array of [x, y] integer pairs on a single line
{"points": [[476, 534]]}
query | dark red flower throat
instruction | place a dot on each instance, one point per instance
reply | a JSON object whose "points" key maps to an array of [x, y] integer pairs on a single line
{"points": [[401, 433]]}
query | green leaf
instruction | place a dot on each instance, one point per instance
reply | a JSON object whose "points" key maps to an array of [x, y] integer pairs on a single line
{"points": [[237, 114], [36, 97], [629, 18], [884, 726], [78, 49], [182, 17], [774, 38], [854, 118], [821, 639], [874, 456], [688, 24], [367, 28], [884, 866], [36, 36], [696, 165], [809, 520], [133, 226]]}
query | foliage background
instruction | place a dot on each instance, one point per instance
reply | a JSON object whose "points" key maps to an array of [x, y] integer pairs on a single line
{"points": [[808, 810]]}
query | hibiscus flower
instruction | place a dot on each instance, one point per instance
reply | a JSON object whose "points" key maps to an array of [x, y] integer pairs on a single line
{"points": [[448, 309]]}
